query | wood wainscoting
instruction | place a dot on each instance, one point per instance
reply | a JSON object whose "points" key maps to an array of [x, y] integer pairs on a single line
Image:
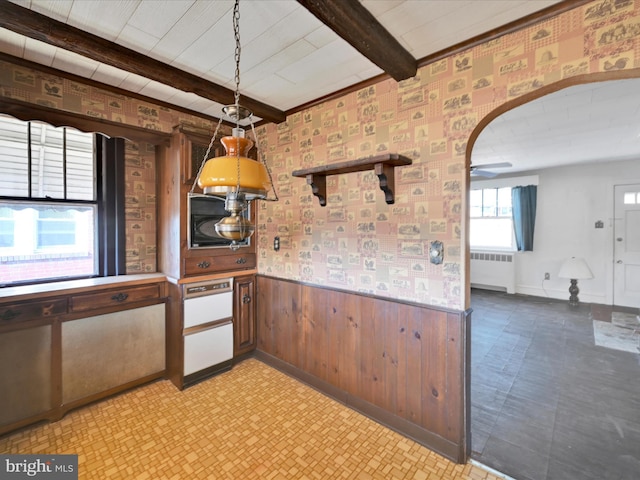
{"points": [[403, 364]]}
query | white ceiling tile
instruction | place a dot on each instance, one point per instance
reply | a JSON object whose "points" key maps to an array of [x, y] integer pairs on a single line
{"points": [[270, 87], [109, 75], [367, 73], [321, 36], [213, 110], [111, 16], [323, 63], [137, 40], [380, 7], [39, 52], [158, 17], [274, 64], [182, 98], [11, 43], [191, 26], [155, 89], [200, 104], [407, 16], [22, 3], [284, 33], [259, 16], [211, 48], [56, 9], [134, 83], [74, 64]]}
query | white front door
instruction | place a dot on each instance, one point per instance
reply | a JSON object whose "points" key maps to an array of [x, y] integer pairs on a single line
{"points": [[626, 255]]}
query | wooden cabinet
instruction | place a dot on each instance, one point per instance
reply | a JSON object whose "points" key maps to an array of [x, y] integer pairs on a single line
{"points": [[193, 146], [211, 264], [26, 357], [77, 342], [244, 323], [113, 298], [12, 313], [244, 313], [177, 169]]}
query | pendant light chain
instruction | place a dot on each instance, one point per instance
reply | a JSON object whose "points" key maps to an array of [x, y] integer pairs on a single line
{"points": [[236, 35]]}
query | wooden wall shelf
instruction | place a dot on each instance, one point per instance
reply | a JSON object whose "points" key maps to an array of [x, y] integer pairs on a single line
{"points": [[383, 165]]}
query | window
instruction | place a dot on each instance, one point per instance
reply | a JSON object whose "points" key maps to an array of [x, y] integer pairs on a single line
{"points": [[51, 206], [632, 198], [7, 227], [491, 225]]}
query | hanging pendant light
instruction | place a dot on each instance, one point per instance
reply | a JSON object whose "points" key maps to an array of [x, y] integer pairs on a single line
{"points": [[234, 176]]}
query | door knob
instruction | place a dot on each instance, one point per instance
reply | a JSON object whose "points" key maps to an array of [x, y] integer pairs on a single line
{"points": [[619, 239], [619, 261]]}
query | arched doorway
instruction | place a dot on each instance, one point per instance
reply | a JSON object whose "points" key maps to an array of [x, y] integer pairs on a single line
{"points": [[538, 405]]}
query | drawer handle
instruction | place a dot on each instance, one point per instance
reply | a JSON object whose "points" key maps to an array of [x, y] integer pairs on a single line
{"points": [[204, 264], [241, 260], [246, 299], [120, 297], [9, 315]]}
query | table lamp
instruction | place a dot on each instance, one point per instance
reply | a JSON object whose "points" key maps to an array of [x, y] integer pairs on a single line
{"points": [[575, 269]]}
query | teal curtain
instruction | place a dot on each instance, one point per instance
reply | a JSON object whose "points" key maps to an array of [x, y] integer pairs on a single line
{"points": [[523, 202]]}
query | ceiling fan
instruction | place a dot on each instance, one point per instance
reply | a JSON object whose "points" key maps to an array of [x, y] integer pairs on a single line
{"points": [[481, 170]]}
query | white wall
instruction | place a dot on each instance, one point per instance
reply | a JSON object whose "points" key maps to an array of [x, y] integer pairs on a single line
{"points": [[570, 201]]}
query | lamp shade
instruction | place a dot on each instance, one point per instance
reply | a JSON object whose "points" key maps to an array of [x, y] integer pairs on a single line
{"points": [[222, 175], [575, 268]]}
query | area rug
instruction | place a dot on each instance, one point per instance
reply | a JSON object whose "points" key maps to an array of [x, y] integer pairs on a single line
{"points": [[622, 333]]}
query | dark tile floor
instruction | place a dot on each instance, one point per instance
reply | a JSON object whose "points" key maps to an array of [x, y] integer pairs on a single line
{"points": [[546, 403]]}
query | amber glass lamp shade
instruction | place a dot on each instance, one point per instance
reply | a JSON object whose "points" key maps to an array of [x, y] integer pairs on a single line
{"points": [[219, 175]]}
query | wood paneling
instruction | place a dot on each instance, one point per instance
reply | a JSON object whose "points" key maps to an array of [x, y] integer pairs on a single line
{"points": [[244, 313], [407, 362]]}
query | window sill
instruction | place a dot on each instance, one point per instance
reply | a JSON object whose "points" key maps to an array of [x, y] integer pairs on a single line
{"points": [[50, 289]]}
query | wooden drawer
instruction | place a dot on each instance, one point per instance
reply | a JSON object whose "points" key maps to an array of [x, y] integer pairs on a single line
{"points": [[222, 263], [112, 298], [20, 312]]}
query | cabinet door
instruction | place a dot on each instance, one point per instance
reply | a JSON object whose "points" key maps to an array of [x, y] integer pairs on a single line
{"points": [[195, 150], [244, 325], [106, 351], [25, 373]]}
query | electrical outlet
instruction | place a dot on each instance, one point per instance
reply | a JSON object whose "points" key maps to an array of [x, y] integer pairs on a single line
{"points": [[547, 276]]}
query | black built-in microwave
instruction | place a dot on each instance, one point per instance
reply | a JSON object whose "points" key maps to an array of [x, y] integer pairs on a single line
{"points": [[203, 212]]}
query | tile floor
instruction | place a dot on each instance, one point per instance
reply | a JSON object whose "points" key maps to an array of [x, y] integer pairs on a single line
{"points": [[252, 422], [547, 403]]}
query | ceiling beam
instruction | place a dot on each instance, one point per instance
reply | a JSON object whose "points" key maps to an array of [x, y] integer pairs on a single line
{"points": [[358, 27], [40, 27]]}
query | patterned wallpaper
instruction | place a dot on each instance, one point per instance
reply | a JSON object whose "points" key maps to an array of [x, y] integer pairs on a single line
{"points": [[140, 207], [29, 85], [358, 242]]}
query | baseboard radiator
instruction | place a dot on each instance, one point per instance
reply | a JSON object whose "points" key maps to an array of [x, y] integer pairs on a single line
{"points": [[493, 271]]}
